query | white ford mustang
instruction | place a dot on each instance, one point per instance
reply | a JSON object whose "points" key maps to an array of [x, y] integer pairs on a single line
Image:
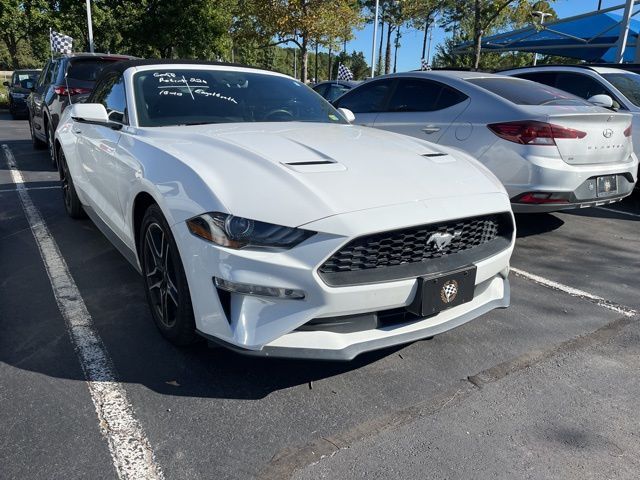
{"points": [[262, 220]]}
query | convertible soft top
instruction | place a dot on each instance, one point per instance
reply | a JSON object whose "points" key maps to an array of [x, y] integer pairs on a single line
{"points": [[120, 67]]}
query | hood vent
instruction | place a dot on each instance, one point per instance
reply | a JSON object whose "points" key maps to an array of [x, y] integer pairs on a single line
{"points": [[312, 162]]}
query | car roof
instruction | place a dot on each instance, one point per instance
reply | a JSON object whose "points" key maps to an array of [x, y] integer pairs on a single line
{"points": [[594, 68], [69, 56], [351, 83], [453, 74]]}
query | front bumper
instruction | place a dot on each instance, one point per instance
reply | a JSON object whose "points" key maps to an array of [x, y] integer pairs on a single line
{"points": [[18, 106], [269, 326]]}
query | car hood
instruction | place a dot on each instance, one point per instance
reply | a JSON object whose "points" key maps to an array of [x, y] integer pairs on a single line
{"points": [[294, 173]]}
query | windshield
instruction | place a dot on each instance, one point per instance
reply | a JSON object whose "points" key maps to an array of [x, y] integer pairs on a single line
{"points": [[525, 92], [627, 83], [199, 96], [19, 77]]}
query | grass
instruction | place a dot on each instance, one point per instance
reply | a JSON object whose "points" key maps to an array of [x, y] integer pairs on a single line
{"points": [[4, 99]]}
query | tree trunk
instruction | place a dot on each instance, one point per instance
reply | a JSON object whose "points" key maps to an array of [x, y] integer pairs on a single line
{"points": [[395, 53], [477, 34], [315, 75], [329, 69], [12, 48], [379, 69], [387, 57], [304, 51]]}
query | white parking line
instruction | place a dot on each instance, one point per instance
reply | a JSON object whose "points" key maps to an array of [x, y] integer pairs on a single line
{"points": [[574, 292], [29, 188], [619, 211], [130, 449]]}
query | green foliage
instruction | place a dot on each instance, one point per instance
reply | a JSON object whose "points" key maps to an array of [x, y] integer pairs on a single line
{"points": [[262, 33]]}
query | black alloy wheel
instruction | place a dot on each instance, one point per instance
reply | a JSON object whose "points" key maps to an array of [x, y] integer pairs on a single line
{"points": [[166, 285]]}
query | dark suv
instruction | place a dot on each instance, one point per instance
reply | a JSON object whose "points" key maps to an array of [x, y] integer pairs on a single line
{"points": [[66, 79], [19, 88]]}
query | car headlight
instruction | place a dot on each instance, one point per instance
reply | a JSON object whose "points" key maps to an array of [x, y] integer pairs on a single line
{"points": [[236, 232]]}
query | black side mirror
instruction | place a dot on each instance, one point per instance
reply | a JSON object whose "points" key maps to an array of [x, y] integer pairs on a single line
{"points": [[6, 84]]}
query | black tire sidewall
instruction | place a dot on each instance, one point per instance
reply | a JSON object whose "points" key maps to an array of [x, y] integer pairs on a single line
{"points": [[74, 208], [182, 332]]}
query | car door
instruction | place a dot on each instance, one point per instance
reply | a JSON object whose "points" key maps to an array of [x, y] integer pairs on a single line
{"points": [[367, 100], [422, 108], [97, 149], [37, 98]]}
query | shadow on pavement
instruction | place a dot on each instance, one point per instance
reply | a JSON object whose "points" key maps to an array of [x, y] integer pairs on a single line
{"points": [[529, 224]]}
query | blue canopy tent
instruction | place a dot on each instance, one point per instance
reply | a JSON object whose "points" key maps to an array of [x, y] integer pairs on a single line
{"points": [[606, 35]]}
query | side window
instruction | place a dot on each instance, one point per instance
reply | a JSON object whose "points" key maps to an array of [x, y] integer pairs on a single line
{"points": [[580, 85], [110, 93], [449, 97], [414, 95], [367, 98], [335, 91], [321, 89], [547, 78], [44, 74]]}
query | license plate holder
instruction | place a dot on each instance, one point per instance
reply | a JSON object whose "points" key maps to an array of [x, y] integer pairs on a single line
{"points": [[440, 292], [606, 185]]}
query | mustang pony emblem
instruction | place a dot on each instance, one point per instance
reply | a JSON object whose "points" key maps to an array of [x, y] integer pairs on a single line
{"points": [[442, 240]]}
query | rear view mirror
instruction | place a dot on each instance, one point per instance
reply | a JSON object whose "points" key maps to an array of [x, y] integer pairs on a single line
{"points": [[90, 113], [347, 114], [601, 100]]}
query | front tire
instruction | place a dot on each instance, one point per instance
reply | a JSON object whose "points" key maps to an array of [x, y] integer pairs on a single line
{"points": [[165, 282], [71, 201]]}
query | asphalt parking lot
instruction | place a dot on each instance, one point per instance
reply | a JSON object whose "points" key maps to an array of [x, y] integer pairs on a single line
{"points": [[547, 388]]}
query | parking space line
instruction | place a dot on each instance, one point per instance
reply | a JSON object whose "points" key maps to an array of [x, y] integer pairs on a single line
{"points": [[130, 449], [5, 190], [574, 292], [619, 211]]}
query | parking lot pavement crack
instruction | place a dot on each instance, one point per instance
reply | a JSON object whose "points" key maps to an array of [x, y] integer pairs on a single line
{"points": [[285, 463]]}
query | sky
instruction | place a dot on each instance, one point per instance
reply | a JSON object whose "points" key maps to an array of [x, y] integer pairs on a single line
{"points": [[410, 51]]}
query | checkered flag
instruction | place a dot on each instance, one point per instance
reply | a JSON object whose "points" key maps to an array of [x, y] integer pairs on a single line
{"points": [[344, 73], [60, 42], [424, 66]]}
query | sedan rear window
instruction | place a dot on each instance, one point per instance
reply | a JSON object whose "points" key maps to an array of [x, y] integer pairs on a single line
{"points": [[87, 70], [524, 92]]}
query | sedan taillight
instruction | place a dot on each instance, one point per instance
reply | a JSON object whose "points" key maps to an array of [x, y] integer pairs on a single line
{"points": [[530, 132], [63, 90], [627, 131]]}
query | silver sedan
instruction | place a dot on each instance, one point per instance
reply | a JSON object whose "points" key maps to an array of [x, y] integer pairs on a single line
{"points": [[550, 149]]}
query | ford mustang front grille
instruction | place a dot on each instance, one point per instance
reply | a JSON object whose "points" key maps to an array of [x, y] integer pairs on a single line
{"points": [[417, 251]]}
